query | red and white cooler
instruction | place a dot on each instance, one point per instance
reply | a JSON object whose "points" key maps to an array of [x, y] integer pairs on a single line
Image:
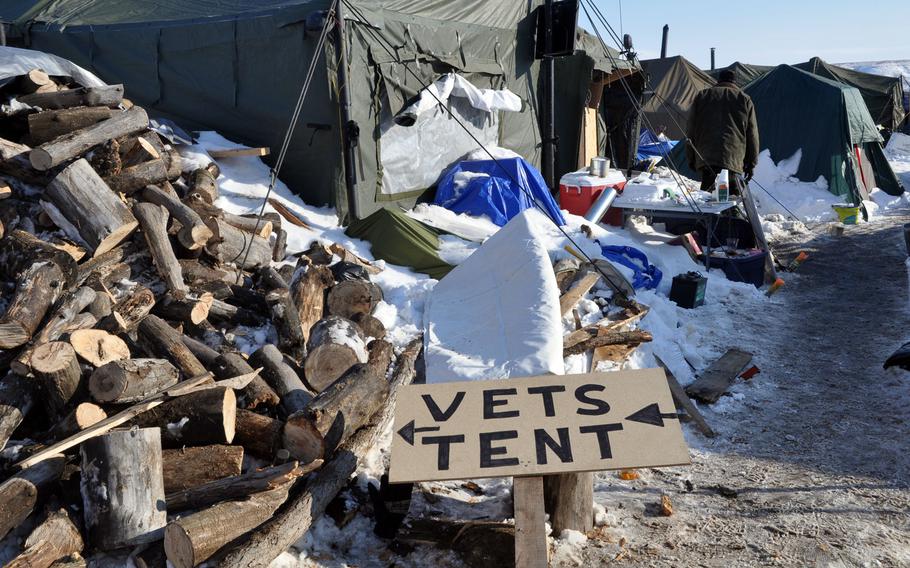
{"points": [[579, 190]]}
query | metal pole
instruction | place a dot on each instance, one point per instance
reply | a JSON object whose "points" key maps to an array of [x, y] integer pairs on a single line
{"points": [[350, 131], [549, 146], [712, 58], [664, 41]]}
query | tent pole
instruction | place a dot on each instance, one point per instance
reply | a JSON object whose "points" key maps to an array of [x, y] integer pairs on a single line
{"points": [[350, 130], [549, 146]]}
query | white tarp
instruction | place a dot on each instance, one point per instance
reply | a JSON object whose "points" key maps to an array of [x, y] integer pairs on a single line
{"points": [[454, 85], [497, 314], [15, 62]]}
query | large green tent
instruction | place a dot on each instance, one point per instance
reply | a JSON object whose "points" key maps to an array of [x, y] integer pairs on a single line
{"points": [[672, 85], [883, 95], [744, 72]]}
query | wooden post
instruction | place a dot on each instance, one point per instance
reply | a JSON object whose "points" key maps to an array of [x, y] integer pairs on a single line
{"points": [[530, 526], [569, 500], [123, 488]]}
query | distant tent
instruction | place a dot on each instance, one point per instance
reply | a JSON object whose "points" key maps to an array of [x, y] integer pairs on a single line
{"points": [[825, 119], [744, 72], [674, 82], [883, 95]]}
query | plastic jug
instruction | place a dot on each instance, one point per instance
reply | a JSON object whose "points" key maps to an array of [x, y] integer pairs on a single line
{"points": [[722, 186]]}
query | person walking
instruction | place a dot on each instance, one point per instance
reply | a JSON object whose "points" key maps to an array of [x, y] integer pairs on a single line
{"points": [[723, 134]]}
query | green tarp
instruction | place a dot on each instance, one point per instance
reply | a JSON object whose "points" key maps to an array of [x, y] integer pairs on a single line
{"points": [[399, 239], [743, 72], [674, 82]]}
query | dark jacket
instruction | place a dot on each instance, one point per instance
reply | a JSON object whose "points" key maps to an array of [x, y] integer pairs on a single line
{"points": [[723, 129]]}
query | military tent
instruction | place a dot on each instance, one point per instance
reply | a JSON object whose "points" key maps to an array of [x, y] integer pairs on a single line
{"points": [[883, 95], [672, 85], [743, 72]]}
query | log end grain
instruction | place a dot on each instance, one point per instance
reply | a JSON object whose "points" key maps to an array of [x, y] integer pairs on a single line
{"points": [[12, 335], [115, 237], [98, 347], [303, 440], [178, 546]]}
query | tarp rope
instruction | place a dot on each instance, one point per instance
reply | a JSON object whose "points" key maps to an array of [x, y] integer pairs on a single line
{"points": [[295, 118], [388, 47]]}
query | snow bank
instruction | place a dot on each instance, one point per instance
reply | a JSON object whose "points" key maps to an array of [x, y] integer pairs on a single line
{"points": [[776, 184]]}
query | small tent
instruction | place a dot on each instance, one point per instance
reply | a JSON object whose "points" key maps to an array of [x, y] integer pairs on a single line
{"points": [[672, 85], [883, 95], [744, 73]]}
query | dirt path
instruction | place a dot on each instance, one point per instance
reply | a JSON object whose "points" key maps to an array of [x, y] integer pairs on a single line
{"points": [[812, 466]]}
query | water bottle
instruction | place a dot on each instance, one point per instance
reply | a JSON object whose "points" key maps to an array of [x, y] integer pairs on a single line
{"points": [[722, 186]]}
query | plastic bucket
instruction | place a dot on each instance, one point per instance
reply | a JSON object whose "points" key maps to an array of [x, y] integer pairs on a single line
{"points": [[847, 214]]}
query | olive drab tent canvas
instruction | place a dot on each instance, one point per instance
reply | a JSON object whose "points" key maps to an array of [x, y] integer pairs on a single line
{"points": [[743, 73], [672, 85]]}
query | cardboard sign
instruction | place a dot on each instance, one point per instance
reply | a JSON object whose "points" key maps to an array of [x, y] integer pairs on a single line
{"points": [[536, 425]]}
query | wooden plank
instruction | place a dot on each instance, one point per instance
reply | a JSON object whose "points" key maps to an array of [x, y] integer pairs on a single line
{"points": [[588, 139], [530, 530], [581, 287], [755, 221], [237, 152], [682, 400], [718, 377]]}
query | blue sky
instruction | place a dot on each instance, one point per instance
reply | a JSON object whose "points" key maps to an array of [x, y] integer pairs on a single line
{"points": [[765, 32]]}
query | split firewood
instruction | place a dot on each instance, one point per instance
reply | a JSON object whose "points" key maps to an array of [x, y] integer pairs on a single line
{"points": [[193, 232], [131, 380], [193, 539], [232, 245], [353, 297], [14, 163], [255, 226], [282, 378], [196, 272], [187, 468], [17, 396], [19, 494], [101, 261], [55, 538], [57, 371], [47, 125], [84, 415], [200, 418], [238, 486], [577, 291], [37, 288], [107, 95], [98, 347], [103, 279], [77, 143], [308, 294], [123, 488], [139, 149], [62, 321], [153, 220], [164, 341], [286, 319], [81, 204], [348, 256], [129, 311], [634, 337], [318, 253], [335, 346]]}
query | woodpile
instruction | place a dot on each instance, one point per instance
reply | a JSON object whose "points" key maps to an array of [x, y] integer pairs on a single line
{"points": [[129, 416]]}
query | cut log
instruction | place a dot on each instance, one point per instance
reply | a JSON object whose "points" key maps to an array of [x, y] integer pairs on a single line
{"points": [[123, 488], [231, 245], [203, 183], [308, 294], [164, 341], [103, 279], [294, 520], [45, 126], [101, 306], [58, 373], [257, 393], [200, 350], [287, 323], [131, 380], [270, 279], [14, 163], [263, 436], [195, 272], [17, 395], [717, 378], [79, 142], [255, 225], [98, 347], [369, 326], [37, 288], [193, 232], [237, 487], [634, 337], [192, 308], [347, 256], [335, 346], [201, 418], [34, 80], [348, 403], [186, 468], [137, 151], [102, 262], [19, 494], [107, 95], [84, 415], [319, 254], [234, 315], [153, 219], [55, 538], [353, 297], [129, 311], [130, 180], [191, 540], [86, 208], [282, 378]]}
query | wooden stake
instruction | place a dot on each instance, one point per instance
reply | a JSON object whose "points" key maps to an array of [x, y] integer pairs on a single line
{"points": [[530, 533], [17, 395]]}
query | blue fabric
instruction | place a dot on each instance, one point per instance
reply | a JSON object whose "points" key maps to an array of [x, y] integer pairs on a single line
{"points": [[494, 194], [649, 145], [646, 276]]}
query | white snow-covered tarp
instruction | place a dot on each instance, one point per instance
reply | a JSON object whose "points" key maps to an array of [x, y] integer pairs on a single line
{"points": [[497, 314], [15, 62], [454, 85]]}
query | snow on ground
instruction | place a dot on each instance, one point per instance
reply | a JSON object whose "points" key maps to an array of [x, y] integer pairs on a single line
{"points": [[780, 192], [885, 68]]}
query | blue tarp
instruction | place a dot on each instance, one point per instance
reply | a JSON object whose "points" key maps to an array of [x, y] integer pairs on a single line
{"points": [[649, 145], [490, 191], [646, 275]]}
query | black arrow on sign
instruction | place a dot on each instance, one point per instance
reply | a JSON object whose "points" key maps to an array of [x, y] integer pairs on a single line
{"points": [[408, 430], [652, 415]]}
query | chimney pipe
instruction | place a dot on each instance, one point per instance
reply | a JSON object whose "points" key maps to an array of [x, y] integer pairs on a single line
{"points": [[712, 58], [663, 42]]}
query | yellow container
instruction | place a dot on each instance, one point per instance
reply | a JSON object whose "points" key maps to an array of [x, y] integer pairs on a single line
{"points": [[848, 214]]}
